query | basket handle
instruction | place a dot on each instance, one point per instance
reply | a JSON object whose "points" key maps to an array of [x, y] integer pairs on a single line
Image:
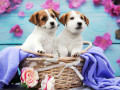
{"points": [[51, 56], [39, 54], [86, 49]]}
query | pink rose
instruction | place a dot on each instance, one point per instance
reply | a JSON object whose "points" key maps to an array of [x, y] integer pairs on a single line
{"points": [[29, 76], [48, 83]]}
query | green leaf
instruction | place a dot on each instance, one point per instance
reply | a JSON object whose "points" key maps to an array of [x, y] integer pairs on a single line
{"points": [[24, 85]]}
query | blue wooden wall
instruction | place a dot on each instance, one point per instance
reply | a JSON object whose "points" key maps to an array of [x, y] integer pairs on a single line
{"points": [[100, 22]]}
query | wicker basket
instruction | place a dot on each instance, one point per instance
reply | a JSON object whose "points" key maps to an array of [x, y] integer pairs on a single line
{"points": [[67, 78]]}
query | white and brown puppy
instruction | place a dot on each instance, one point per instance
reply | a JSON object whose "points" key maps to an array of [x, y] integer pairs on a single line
{"points": [[70, 41], [42, 38]]}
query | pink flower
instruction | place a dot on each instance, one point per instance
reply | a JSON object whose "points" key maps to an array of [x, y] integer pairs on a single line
{"points": [[107, 4], [17, 1], [114, 10], [3, 5], [96, 1], [75, 3], [29, 76], [48, 83], [11, 8], [50, 4], [21, 14], [103, 42], [118, 61], [29, 5], [16, 30], [117, 9]]}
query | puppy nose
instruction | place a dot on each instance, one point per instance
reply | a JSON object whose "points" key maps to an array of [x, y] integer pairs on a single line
{"points": [[52, 23], [79, 23]]}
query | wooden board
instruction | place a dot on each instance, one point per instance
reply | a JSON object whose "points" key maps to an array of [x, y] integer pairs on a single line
{"points": [[100, 22]]}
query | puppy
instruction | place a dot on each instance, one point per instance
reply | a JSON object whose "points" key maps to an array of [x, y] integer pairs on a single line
{"points": [[70, 42], [42, 38]]}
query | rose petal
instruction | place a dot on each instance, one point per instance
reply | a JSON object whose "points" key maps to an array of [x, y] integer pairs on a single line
{"points": [[21, 14], [29, 5]]}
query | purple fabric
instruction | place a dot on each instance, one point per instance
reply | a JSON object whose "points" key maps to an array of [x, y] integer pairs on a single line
{"points": [[97, 71], [9, 62]]}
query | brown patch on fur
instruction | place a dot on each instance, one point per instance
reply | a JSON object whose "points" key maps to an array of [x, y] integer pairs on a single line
{"points": [[37, 17], [84, 17], [40, 18], [64, 18], [54, 13]]}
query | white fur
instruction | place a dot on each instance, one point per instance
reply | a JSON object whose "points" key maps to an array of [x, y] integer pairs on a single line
{"points": [[42, 38], [70, 40]]}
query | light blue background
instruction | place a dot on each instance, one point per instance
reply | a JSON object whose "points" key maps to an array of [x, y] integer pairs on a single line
{"points": [[100, 22]]}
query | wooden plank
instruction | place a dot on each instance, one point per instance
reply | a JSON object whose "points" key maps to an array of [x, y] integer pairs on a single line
{"points": [[100, 22], [88, 6], [98, 26], [112, 53]]}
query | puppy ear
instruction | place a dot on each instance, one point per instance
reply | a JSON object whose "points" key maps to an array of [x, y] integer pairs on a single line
{"points": [[56, 13], [86, 20], [63, 19], [33, 18]]}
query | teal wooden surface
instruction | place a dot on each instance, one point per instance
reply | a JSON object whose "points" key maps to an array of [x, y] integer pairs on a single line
{"points": [[100, 22]]}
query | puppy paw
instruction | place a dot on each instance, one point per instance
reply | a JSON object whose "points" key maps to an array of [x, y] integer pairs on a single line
{"points": [[40, 51], [82, 52], [76, 55]]}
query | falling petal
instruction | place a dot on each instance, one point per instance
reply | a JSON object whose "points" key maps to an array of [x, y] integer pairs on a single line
{"points": [[50, 4], [21, 14], [29, 5]]}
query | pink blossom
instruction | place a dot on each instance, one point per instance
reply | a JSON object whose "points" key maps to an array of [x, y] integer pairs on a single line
{"points": [[3, 5], [16, 30], [107, 4], [29, 76], [118, 61], [96, 1], [114, 10], [50, 4], [11, 8], [104, 41], [21, 14], [17, 1], [29, 5], [117, 9], [75, 3]]}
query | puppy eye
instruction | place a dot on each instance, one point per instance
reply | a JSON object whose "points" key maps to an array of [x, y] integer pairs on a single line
{"points": [[72, 18], [53, 16], [44, 19], [81, 18]]}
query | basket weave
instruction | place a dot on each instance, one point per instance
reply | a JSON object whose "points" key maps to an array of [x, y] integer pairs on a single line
{"points": [[67, 79]]}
